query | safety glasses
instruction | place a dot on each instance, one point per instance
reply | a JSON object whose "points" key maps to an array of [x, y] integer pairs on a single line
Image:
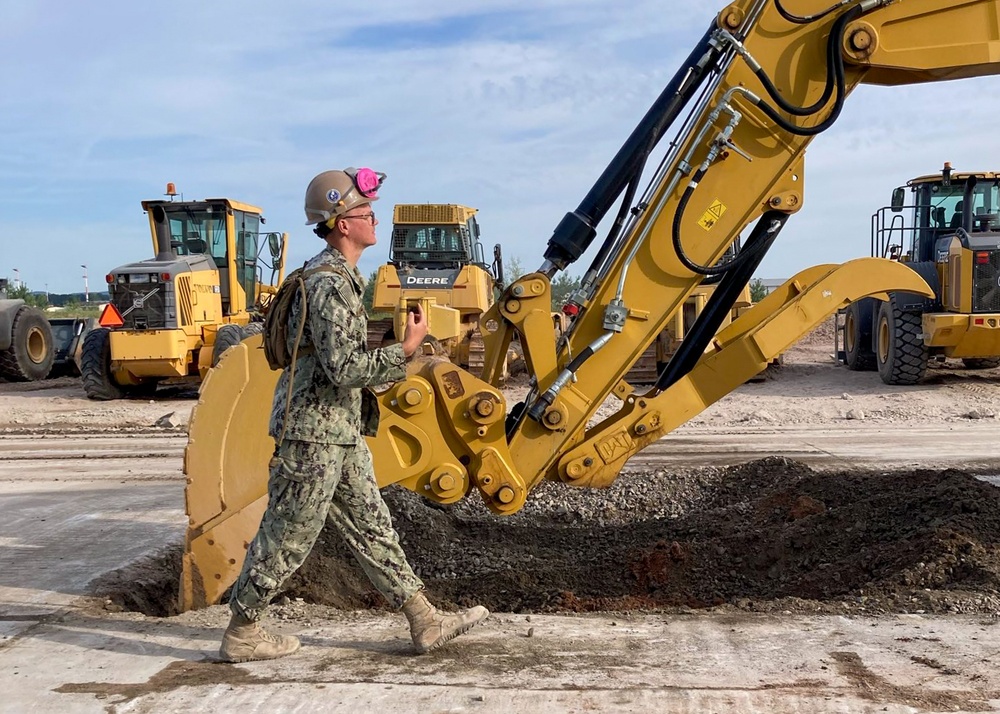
{"points": [[370, 217]]}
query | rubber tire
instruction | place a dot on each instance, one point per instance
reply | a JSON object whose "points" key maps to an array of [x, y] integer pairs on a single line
{"points": [[858, 353], [981, 362], [253, 328], [899, 345], [16, 363], [227, 336], [95, 367]]}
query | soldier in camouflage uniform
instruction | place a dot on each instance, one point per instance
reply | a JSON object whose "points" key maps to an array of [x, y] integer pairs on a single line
{"points": [[321, 471]]}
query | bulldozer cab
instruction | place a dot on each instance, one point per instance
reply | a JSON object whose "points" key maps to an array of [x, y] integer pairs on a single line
{"points": [[227, 232], [435, 236], [940, 206]]}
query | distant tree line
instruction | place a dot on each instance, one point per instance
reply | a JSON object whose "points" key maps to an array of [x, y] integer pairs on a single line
{"points": [[43, 300]]}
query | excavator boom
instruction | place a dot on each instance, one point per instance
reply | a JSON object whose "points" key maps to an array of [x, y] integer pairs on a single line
{"points": [[760, 84]]}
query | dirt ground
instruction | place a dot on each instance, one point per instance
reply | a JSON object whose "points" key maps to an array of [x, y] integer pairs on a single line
{"points": [[768, 536]]}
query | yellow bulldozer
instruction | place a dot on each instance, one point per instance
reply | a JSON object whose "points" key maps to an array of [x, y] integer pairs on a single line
{"points": [[949, 235], [436, 258], [171, 317], [759, 85]]}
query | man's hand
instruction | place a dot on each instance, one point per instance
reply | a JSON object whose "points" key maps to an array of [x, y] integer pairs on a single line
{"points": [[416, 329]]}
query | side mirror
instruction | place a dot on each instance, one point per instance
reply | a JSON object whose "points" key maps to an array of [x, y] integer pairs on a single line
{"points": [[898, 199], [274, 245]]}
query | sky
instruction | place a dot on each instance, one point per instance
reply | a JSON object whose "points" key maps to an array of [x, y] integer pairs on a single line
{"points": [[514, 108]]}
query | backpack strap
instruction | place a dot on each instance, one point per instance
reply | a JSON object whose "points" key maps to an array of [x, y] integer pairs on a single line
{"points": [[300, 281]]}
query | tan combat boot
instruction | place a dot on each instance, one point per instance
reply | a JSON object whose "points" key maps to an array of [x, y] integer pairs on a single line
{"points": [[430, 629], [245, 640]]}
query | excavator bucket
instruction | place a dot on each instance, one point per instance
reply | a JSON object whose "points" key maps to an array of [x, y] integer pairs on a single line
{"points": [[226, 467]]}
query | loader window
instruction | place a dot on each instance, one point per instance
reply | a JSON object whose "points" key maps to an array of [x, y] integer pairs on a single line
{"points": [[197, 231], [247, 231], [948, 202]]}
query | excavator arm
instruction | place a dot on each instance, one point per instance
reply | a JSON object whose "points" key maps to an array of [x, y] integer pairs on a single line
{"points": [[760, 84]]}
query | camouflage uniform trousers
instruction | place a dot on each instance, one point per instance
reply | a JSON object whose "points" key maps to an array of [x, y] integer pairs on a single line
{"points": [[311, 484]]}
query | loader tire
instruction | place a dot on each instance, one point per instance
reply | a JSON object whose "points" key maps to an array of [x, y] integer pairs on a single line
{"points": [[981, 362], [227, 336], [899, 345], [32, 348], [95, 367], [858, 353]]}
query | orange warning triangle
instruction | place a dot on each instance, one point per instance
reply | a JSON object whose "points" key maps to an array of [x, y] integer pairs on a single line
{"points": [[110, 317]]}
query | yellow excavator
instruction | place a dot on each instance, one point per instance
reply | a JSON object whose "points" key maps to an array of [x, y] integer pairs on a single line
{"points": [[766, 77]]}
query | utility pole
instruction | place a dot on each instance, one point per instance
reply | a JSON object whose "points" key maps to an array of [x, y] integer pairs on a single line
{"points": [[86, 289], [17, 278]]}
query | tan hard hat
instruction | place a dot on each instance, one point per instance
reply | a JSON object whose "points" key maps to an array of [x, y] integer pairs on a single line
{"points": [[333, 193]]}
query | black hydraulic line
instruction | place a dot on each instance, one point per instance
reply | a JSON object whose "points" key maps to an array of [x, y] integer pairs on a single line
{"points": [[722, 300], [544, 400], [832, 50], [577, 229], [714, 270], [798, 20], [836, 37], [613, 234], [837, 61]]}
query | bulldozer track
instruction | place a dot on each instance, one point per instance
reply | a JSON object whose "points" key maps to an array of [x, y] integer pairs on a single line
{"points": [[644, 370], [376, 332], [477, 353]]}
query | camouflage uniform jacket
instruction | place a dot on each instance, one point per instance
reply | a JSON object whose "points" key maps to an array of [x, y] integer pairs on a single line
{"points": [[326, 401]]}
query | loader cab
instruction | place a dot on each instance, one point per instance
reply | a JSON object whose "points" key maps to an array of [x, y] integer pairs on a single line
{"points": [[226, 231], [939, 206]]}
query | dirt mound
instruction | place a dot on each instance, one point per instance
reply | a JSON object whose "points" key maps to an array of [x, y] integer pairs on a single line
{"points": [[771, 535]]}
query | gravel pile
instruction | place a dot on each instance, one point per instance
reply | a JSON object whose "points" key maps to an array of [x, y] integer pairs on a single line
{"points": [[771, 535], [768, 536]]}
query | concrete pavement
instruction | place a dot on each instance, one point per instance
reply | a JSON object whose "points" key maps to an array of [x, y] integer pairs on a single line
{"points": [[62, 652]]}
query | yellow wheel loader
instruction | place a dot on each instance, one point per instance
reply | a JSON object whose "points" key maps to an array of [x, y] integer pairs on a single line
{"points": [[949, 235], [436, 258], [172, 316], [759, 85]]}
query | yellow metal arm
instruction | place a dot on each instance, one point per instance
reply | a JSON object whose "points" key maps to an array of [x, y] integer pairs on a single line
{"points": [[739, 352], [647, 277]]}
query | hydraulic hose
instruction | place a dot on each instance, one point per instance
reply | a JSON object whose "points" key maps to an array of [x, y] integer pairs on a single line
{"points": [[576, 230], [796, 19], [835, 56], [713, 270], [721, 302]]}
